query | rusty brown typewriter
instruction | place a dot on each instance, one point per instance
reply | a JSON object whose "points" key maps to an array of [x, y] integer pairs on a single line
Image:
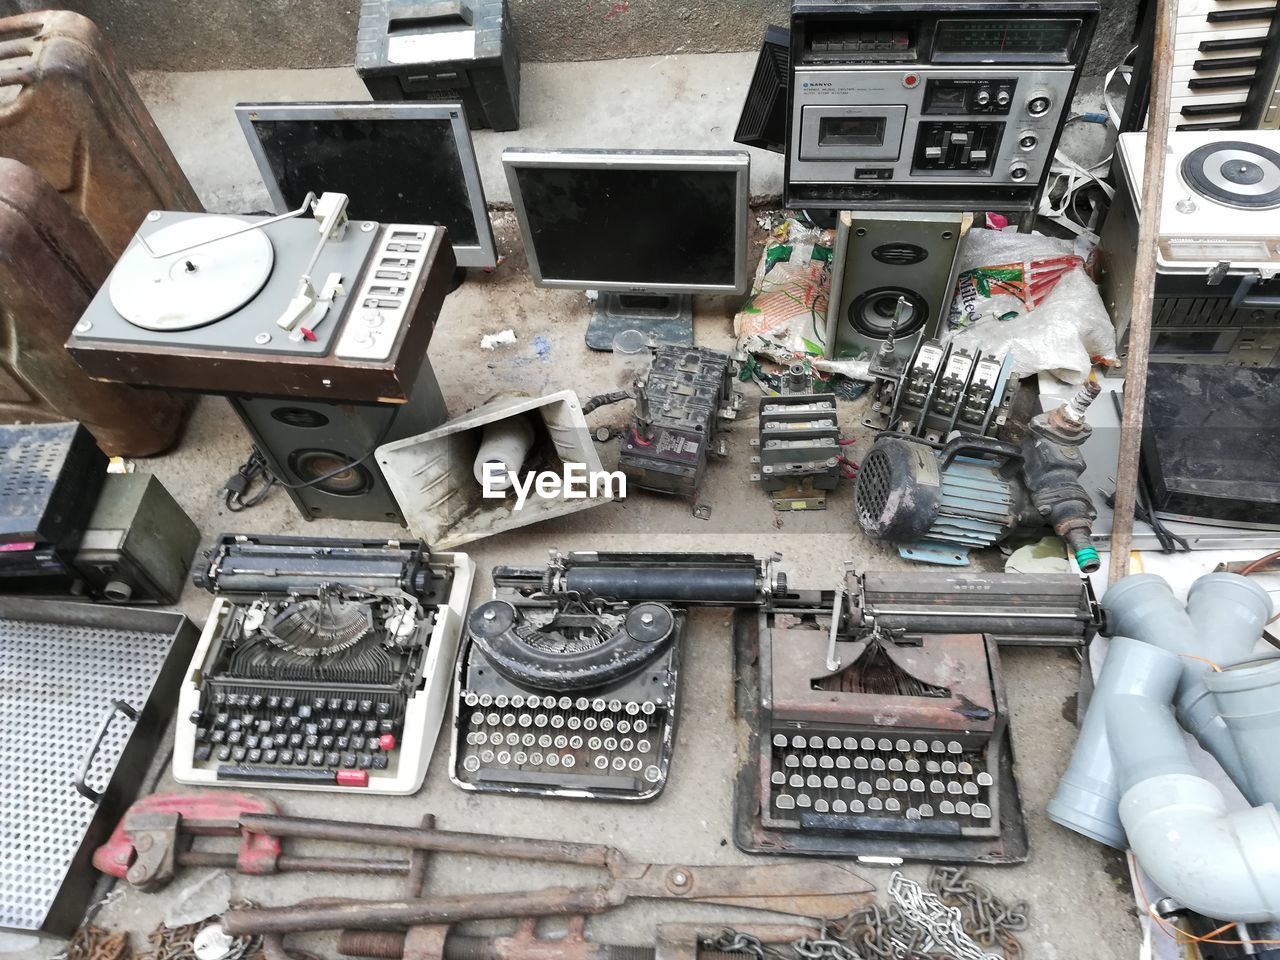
{"points": [[868, 742]]}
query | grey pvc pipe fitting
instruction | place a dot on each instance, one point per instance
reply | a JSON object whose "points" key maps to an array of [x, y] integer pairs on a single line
{"points": [[1247, 698], [1088, 794], [1222, 864], [1221, 623]]}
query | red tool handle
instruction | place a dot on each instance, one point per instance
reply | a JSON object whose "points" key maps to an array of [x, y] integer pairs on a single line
{"points": [[212, 814]]}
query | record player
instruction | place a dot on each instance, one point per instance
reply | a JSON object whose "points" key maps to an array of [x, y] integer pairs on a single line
{"points": [[304, 305], [1217, 296]]}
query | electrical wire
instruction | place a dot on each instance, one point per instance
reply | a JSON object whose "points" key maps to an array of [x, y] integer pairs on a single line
{"points": [[1072, 176], [604, 400], [1182, 937], [1256, 566], [256, 466]]}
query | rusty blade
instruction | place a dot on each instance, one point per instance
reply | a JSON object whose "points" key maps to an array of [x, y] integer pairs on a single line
{"points": [[820, 890], [760, 885], [831, 906]]}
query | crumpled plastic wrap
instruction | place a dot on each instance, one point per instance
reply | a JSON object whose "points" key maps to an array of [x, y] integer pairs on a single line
{"points": [[1050, 319], [786, 315]]}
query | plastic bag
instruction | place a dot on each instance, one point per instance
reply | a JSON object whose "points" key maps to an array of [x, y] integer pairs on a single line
{"points": [[786, 315], [1030, 295]]}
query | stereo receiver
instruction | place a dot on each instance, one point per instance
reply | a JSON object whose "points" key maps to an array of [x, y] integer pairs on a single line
{"points": [[903, 104]]}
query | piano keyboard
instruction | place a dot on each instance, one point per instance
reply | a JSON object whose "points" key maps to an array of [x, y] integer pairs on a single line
{"points": [[1223, 50]]}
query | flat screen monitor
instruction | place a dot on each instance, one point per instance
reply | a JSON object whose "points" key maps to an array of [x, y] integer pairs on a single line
{"points": [[396, 162], [654, 222]]}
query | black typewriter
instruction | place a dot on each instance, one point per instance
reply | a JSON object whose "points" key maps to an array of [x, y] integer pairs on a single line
{"points": [[567, 685], [324, 664], [872, 743]]}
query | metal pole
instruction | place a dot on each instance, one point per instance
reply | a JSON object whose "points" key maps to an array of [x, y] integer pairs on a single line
{"points": [[1144, 282]]}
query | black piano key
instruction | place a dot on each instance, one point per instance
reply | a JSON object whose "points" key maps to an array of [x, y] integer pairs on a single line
{"points": [[1209, 109], [1241, 15], [1226, 63], [1236, 43], [1220, 83]]}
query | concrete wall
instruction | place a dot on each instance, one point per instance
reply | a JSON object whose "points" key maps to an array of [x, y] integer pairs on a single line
{"points": [[183, 35]]}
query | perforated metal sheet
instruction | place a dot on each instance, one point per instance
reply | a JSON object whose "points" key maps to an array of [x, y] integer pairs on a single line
{"points": [[57, 683]]}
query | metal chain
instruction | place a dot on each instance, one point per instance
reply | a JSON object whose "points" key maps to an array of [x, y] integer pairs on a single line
{"points": [[954, 918], [940, 922], [985, 917], [735, 941]]}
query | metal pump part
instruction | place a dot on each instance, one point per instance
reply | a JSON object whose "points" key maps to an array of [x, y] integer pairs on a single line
{"points": [[977, 491], [1051, 467]]}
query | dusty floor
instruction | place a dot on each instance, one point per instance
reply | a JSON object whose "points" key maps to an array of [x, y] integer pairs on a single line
{"points": [[1076, 889]]}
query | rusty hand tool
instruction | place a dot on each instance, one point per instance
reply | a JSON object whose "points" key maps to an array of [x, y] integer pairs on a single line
{"points": [[807, 890], [150, 842], [675, 941]]}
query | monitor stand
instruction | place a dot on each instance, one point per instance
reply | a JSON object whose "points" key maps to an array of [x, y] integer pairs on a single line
{"points": [[667, 318]]}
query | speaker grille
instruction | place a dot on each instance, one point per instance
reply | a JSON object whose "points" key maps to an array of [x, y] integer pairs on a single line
{"points": [[299, 417], [763, 122], [900, 254]]}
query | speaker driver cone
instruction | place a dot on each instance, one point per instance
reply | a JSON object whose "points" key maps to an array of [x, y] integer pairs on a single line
{"points": [[308, 465], [871, 314]]}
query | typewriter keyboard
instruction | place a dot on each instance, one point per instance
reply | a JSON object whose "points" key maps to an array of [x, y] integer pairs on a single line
{"points": [[565, 743], [881, 783], [298, 737]]}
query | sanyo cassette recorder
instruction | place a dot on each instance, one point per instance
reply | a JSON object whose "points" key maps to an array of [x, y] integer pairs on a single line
{"points": [[940, 106]]}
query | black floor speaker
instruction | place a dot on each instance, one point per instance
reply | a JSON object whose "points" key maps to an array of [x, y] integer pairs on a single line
{"points": [[763, 122], [304, 440]]}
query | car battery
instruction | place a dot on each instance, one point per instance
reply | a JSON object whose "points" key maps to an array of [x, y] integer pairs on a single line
{"points": [[451, 51]]}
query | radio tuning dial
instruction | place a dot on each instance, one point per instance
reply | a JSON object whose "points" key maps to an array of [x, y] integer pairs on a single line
{"points": [[1038, 105]]}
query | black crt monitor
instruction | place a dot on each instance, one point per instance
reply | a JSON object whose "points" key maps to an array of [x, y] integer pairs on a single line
{"points": [[646, 229], [396, 162]]}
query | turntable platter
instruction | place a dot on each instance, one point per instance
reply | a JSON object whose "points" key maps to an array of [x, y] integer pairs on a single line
{"points": [[1235, 173], [192, 287]]}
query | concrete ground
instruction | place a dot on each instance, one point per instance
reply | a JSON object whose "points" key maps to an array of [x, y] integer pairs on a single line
{"points": [[1077, 890]]}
